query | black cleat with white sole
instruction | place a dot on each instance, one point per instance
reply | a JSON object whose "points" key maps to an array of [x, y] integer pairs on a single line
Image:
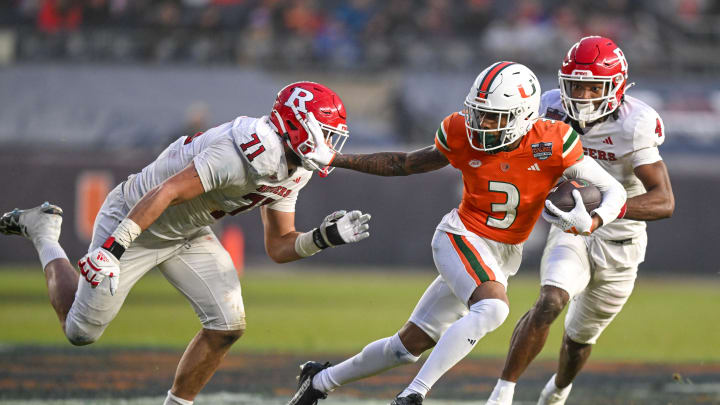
{"points": [[306, 394]]}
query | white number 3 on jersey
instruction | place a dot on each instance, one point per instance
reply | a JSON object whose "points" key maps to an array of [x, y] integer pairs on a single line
{"points": [[509, 207]]}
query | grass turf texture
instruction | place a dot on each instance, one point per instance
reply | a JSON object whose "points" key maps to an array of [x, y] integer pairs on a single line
{"points": [[304, 311]]}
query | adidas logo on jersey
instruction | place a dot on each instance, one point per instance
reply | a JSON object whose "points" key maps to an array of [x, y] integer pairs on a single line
{"points": [[534, 167], [608, 141], [472, 341]]}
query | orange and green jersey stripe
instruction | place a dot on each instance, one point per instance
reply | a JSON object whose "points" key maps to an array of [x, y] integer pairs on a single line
{"points": [[441, 137], [569, 140], [474, 264]]}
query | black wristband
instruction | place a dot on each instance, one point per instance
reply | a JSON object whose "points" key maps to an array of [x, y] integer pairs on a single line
{"points": [[319, 240], [333, 235], [113, 247]]}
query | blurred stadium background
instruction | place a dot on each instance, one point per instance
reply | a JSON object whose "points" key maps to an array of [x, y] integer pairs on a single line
{"points": [[92, 90]]}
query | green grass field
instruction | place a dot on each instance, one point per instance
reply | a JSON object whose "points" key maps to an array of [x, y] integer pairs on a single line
{"points": [[304, 311]]}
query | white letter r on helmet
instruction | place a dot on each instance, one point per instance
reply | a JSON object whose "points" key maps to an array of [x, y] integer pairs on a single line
{"points": [[302, 96]]}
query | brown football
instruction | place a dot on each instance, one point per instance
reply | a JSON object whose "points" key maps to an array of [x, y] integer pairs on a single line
{"points": [[561, 195]]}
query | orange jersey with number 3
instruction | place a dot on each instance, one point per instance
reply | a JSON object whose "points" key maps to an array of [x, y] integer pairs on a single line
{"points": [[504, 193]]}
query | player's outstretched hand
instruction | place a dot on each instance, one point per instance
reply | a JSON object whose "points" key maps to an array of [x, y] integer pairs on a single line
{"points": [[322, 154], [343, 227], [578, 221], [99, 264]]}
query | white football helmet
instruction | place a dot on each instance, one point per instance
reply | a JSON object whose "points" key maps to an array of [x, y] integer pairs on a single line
{"points": [[508, 91]]}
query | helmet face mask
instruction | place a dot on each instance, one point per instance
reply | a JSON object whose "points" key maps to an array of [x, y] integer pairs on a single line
{"points": [[293, 108], [577, 107], [593, 59], [334, 138], [489, 130], [501, 107]]}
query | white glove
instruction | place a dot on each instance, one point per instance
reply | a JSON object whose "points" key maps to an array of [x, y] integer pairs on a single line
{"points": [[97, 265], [322, 154], [578, 221], [340, 228]]}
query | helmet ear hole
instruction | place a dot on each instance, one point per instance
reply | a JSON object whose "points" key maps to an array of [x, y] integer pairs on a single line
{"points": [[291, 125]]}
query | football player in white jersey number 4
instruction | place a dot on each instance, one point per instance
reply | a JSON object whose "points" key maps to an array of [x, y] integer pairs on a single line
{"points": [[160, 217], [594, 273]]}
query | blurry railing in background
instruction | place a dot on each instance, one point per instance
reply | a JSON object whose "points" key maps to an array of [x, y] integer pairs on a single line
{"points": [[89, 106]]}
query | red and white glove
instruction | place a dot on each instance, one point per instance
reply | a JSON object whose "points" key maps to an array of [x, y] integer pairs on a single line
{"points": [[322, 154], [101, 263], [578, 221]]}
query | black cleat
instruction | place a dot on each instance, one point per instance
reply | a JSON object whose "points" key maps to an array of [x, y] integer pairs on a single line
{"points": [[412, 399], [306, 394]]}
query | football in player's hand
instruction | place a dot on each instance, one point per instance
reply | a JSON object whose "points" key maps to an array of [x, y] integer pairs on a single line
{"points": [[561, 195]]}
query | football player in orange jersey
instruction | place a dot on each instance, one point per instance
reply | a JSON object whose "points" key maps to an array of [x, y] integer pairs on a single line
{"points": [[509, 161]]}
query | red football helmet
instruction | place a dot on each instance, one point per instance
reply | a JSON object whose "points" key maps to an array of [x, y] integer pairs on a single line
{"points": [[289, 117], [593, 59]]}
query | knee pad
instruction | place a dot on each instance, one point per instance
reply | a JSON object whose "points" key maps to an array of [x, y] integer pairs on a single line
{"points": [[585, 337], [583, 333], [82, 333], [234, 321], [490, 314], [394, 348]]}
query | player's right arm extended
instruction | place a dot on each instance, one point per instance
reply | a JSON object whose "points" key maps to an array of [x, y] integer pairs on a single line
{"points": [[394, 163], [104, 261], [382, 164]]}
